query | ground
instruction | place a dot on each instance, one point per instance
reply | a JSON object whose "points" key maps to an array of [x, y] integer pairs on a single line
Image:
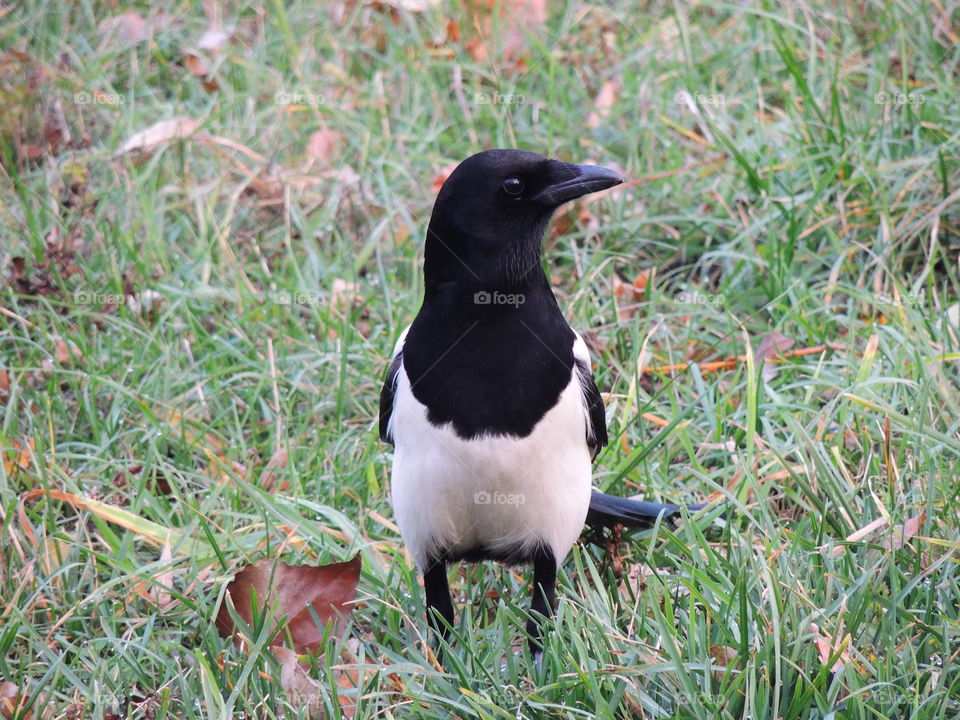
{"points": [[211, 236]]}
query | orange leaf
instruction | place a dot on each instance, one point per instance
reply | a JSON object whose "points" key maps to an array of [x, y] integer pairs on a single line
{"points": [[441, 178]]}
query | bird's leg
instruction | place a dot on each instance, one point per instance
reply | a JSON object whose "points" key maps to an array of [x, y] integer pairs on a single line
{"points": [[439, 603], [541, 606]]}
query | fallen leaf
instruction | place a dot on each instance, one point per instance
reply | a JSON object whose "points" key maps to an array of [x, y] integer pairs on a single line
{"points": [[31, 152], [304, 692], [344, 294], [295, 593], [723, 656], [322, 145], [901, 535], [56, 132], [129, 27], [772, 345], [66, 351], [4, 385], [146, 302], [36, 283], [522, 18], [858, 535], [602, 104], [163, 581], [277, 461], [828, 648], [477, 49], [12, 702], [631, 293], [197, 65], [159, 133], [213, 39], [19, 456], [440, 178]]}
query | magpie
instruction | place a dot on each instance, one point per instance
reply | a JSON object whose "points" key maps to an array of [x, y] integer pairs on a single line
{"points": [[490, 400]]}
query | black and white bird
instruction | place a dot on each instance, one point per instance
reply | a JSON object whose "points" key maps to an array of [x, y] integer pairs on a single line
{"points": [[490, 401]]}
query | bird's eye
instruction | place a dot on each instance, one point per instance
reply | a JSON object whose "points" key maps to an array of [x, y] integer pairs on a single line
{"points": [[513, 186]]}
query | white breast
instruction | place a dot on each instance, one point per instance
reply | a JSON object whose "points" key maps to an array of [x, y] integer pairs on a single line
{"points": [[501, 493]]}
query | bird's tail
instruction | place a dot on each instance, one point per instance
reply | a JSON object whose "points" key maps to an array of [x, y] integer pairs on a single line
{"points": [[608, 510]]}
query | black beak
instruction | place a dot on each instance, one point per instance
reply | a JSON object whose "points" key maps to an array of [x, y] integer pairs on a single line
{"points": [[576, 181]]}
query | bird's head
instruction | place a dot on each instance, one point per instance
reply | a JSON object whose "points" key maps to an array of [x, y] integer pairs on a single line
{"points": [[490, 215]]}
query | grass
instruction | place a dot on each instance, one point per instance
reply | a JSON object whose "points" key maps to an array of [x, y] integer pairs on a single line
{"points": [[796, 172]]}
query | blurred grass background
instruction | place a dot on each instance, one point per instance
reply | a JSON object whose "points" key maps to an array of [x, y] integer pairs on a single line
{"points": [[196, 331]]}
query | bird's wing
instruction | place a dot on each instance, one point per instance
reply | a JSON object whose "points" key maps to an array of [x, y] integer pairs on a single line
{"points": [[388, 390], [592, 402]]}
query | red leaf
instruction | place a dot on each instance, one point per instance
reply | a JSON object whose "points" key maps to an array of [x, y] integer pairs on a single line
{"points": [[293, 593]]}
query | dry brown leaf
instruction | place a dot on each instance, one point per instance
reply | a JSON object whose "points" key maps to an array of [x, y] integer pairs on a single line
{"points": [[56, 132], [723, 656], [12, 702], [213, 39], [344, 294], [145, 302], [827, 648], [128, 27], [772, 345], [902, 534], [602, 104], [159, 133], [4, 385], [295, 593], [631, 294], [66, 351], [477, 49], [163, 581], [20, 456], [197, 65], [268, 478], [858, 535], [304, 692], [322, 146], [522, 18]]}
